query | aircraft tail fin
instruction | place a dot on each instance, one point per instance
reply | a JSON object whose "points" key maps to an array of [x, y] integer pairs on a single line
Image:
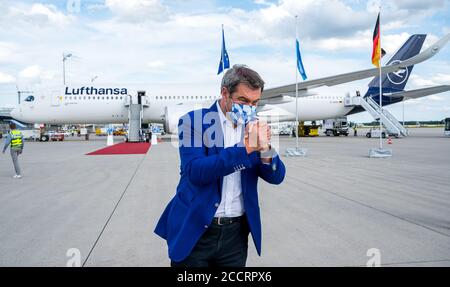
{"points": [[396, 81]]}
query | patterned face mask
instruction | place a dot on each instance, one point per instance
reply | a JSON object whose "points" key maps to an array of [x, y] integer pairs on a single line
{"points": [[242, 113]]}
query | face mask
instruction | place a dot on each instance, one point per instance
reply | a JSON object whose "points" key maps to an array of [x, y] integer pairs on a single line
{"points": [[242, 113]]}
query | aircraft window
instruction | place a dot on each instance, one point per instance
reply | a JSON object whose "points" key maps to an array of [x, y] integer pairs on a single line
{"points": [[103, 98], [192, 97], [170, 97], [89, 98], [29, 99], [84, 98], [117, 98], [120, 97], [107, 98]]}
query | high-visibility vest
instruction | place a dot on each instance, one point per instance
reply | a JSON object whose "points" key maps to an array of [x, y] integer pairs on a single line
{"points": [[16, 139]]}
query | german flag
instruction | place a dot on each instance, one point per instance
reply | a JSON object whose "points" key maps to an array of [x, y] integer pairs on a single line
{"points": [[376, 44]]}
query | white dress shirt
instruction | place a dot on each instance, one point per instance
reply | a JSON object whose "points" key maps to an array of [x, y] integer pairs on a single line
{"points": [[232, 202]]}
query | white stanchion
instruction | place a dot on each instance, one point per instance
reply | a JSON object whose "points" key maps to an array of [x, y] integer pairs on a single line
{"points": [[110, 140], [154, 139]]}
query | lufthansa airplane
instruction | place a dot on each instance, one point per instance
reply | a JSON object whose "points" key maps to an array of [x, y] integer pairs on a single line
{"points": [[96, 105]]}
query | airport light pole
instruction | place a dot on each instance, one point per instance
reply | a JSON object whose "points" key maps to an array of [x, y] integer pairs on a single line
{"points": [[65, 57], [403, 103]]}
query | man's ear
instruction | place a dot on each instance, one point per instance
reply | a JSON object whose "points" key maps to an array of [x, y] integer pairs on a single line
{"points": [[225, 93]]}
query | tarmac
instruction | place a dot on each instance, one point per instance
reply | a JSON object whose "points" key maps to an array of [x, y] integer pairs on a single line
{"points": [[334, 207]]}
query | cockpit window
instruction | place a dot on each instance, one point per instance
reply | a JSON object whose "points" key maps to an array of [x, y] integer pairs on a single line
{"points": [[29, 99]]}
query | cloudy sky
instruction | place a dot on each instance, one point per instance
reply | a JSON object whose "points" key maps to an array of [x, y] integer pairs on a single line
{"points": [[173, 47]]}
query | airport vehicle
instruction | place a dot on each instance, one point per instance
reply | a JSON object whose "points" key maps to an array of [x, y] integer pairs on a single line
{"points": [[82, 132], [97, 105], [101, 132], [307, 130], [336, 127], [447, 127], [282, 128], [374, 132], [55, 136], [285, 131], [31, 134], [119, 132]]}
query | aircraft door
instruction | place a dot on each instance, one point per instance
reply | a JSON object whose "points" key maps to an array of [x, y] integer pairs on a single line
{"points": [[55, 98]]}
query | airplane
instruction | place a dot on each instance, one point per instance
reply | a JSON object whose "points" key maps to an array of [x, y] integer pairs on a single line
{"points": [[108, 105]]}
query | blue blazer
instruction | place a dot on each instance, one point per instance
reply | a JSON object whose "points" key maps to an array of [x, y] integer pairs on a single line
{"points": [[204, 163]]}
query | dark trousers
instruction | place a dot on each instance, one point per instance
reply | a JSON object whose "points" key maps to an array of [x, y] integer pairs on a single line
{"points": [[221, 246]]}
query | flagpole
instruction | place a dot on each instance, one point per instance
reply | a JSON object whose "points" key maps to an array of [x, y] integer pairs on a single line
{"points": [[223, 62], [296, 88], [381, 88]]}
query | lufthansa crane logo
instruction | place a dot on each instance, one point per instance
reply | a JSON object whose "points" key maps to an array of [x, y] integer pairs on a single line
{"points": [[398, 77]]}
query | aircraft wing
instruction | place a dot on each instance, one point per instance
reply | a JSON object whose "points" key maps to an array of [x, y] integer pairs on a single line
{"points": [[358, 75], [414, 94]]}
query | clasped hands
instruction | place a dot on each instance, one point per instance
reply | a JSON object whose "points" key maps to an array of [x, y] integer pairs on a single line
{"points": [[257, 137]]}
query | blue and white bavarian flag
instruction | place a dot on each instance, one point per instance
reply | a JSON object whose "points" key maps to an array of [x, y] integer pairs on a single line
{"points": [[224, 60], [300, 67]]}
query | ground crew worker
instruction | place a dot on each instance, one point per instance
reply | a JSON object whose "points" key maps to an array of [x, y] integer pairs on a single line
{"points": [[15, 139], [355, 131]]}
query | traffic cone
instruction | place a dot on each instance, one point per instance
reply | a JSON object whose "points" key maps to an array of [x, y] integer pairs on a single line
{"points": [[389, 141]]}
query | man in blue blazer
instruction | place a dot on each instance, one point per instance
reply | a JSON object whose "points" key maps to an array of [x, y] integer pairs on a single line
{"points": [[223, 149]]}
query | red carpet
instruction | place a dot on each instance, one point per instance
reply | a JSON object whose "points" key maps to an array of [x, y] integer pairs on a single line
{"points": [[123, 148]]}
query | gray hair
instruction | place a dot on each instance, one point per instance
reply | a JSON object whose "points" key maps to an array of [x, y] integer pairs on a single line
{"points": [[241, 74]]}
